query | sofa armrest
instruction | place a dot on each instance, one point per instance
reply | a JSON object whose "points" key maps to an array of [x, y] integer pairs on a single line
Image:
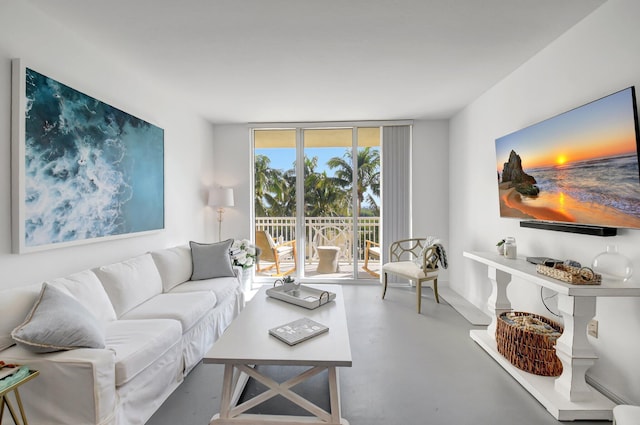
{"points": [[74, 387]]}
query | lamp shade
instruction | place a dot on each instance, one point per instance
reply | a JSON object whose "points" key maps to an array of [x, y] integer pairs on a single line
{"points": [[221, 197]]}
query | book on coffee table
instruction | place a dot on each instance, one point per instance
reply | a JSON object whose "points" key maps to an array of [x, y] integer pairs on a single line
{"points": [[299, 330]]}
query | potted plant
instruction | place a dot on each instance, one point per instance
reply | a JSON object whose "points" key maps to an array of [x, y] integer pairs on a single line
{"points": [[500, 246]]}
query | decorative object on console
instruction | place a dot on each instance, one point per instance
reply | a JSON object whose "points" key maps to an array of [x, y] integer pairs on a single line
{"points": [[220, 198], [528, 342], [510, 248], [613, 265], [500, 246], [82, 170], [570, 274]]}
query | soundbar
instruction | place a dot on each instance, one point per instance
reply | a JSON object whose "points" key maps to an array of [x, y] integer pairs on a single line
{"points": [[571, 228]]}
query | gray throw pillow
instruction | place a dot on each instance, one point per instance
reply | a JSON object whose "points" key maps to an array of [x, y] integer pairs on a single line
{"points": [[211, 260], [58, 322]]}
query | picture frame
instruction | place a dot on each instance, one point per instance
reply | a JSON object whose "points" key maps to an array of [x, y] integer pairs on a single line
{"points": [[83, 171]]}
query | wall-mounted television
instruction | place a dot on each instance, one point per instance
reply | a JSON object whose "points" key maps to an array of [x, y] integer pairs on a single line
{"points": [[579, 167]]}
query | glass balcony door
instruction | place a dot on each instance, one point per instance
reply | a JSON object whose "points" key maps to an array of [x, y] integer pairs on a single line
{"points": [[321, 187]]}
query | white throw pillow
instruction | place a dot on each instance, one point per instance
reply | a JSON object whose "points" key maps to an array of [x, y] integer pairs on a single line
{"points": [[58, 322], [87, 289], [130, 283], [174, 265]]}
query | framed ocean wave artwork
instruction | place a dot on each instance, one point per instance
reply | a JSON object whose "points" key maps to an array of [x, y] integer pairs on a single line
{"points": [[82, 171]]}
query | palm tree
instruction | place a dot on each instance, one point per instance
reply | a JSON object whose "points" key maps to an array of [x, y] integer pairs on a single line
{"points": [[368, 162]]}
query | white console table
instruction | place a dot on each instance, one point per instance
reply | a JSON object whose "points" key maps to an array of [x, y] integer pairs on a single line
{"points": [[567, 397]]}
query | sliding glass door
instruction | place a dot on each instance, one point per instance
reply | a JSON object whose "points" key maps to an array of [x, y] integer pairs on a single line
{"points": [[321, 188]]}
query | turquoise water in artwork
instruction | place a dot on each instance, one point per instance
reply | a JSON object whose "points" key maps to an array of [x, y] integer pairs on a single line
{"points": [[91, 170]]}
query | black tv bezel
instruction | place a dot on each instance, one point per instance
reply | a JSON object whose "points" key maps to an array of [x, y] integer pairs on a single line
{"points": [[584, 228]]}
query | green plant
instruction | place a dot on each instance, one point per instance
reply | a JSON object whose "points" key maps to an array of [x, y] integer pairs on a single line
{"points": [[500, 242]]}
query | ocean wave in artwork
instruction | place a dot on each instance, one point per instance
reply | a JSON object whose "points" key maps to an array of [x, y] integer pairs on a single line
{"points": [[81, 161]]}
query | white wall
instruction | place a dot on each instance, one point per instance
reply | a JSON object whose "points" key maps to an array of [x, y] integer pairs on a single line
{"points": [[232, 159], [430, 182], [595, 58], [55, 51]]}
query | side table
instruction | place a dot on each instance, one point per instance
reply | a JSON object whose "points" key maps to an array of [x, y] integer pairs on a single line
{"points": [[5, 398], [328, 259]]}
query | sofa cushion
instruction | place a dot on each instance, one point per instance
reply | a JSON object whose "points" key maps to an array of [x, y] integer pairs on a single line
{"points": [[222, 287], [87, 289], [187, 308], [138, 344], [58, 322], [130, 283], [174, 265], [211, 260], [15, 304]]}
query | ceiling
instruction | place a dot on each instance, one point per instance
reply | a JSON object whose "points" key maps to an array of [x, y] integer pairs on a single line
{"points": [[322, 60]]}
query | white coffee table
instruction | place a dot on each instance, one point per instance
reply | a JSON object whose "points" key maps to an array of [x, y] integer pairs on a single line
{"points": [[247, 343]]}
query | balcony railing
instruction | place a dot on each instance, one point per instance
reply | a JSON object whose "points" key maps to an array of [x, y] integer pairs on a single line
{"points": [[336, 231]]}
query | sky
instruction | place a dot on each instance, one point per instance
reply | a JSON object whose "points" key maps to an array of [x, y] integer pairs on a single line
{"points": [[283, 158], [602, 128]]}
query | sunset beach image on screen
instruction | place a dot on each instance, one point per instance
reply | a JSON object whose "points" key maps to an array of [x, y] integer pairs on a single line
{"points": [[578, 167]]}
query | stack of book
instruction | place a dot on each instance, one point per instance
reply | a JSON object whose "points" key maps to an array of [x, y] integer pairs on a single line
{"points": [[7, 369], [297, 331]]}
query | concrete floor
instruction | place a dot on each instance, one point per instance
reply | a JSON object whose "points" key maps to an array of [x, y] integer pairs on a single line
{"points": [[408, 369]]}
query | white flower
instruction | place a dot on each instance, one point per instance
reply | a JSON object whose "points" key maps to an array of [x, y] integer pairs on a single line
{"points": [[244, 253]]}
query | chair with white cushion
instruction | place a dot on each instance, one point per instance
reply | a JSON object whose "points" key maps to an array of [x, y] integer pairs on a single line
{"points": [[275, 252], [371, 252], [411, 259]]}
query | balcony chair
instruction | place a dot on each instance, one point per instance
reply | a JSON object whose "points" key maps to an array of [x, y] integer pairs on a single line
{"points": [[275, 253], [371, 251], [411, 259], [333, 236]]}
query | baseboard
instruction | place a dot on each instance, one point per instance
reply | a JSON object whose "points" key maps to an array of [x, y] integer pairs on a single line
{"points": [[605, 391], [470, 312]]}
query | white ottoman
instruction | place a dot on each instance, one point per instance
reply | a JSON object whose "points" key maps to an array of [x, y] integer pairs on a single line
{"points": [[626, 415], [328, 259]]}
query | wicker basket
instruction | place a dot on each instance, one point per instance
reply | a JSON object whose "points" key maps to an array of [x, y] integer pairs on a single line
{"points": [[570, 274], [529, 350]]}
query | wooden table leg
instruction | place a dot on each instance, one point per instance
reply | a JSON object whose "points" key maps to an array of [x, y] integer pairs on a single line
{"points": [[227, 390]]}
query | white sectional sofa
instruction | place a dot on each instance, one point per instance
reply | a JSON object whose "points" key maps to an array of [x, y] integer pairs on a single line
{"points": [[157, 325]]}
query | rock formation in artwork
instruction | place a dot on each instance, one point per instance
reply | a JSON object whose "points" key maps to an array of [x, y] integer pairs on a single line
{"points": [[513, 173]]}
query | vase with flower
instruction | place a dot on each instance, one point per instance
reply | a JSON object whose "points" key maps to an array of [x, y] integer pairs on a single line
{"points": [[244, 254]]}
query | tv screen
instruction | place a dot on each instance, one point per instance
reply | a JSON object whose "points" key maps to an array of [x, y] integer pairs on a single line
{"points": [[578, 167]]}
